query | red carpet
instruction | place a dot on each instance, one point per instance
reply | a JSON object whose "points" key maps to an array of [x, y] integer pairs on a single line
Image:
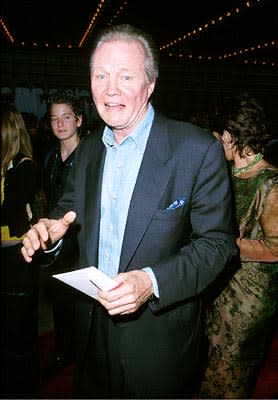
{"points": [[267, 384], [60, 385]]}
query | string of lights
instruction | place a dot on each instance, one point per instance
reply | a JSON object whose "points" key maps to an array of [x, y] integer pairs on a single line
{"points": [[93, 21], [118, 12], [213, 22], [88, 30], [240, 55], [96, 15], [6, 31]]}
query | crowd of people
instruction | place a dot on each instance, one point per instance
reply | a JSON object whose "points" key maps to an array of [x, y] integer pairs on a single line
{"points": [[183, 219]]}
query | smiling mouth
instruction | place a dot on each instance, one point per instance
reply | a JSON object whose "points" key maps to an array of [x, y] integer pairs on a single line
{"points": [[113, 105]]}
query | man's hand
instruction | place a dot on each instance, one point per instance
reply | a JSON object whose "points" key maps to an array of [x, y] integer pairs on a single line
{"points": [[45, 232], [133, 290]]}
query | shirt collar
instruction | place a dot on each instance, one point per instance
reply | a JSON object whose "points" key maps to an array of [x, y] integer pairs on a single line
{"points": [[139, 135]]}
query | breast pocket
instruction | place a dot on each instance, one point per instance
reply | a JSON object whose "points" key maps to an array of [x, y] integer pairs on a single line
{"points": [[170, 222]]}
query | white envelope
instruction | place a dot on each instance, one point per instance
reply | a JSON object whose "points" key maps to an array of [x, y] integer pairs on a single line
{"points": [[87, 280]]}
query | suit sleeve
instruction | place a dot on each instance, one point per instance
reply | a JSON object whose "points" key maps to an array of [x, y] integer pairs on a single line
{"points": [[212, 243]]}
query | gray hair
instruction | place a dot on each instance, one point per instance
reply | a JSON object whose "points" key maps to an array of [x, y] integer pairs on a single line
{"points": [[128, 33]]}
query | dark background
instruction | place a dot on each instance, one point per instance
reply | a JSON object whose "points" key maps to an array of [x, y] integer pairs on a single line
{"points": [[208, 48]]}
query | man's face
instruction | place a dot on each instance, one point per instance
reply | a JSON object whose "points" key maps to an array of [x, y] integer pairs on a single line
{"points": [[119, 84]]}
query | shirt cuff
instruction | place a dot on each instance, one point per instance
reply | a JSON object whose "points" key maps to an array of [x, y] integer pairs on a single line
{"points": [[55, 249], [154, 281]]}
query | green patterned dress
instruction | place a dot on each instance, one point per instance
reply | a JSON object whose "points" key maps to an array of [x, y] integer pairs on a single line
{"points": [[239, 322]]}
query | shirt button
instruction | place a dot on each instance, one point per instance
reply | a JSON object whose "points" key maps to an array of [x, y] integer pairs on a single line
{"points": [[114, 196]]}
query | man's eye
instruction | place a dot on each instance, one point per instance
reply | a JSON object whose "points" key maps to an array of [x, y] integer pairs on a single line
{"points": [[126, 78]]}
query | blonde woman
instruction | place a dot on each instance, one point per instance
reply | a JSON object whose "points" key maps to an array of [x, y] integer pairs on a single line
{"points": [[19, 336]]}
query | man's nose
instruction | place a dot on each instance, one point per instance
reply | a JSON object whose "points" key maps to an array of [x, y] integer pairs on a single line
{"points": [[112, 87]]}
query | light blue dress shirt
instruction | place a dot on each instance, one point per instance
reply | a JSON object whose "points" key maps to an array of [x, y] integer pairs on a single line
{"points": [[122, 164]]}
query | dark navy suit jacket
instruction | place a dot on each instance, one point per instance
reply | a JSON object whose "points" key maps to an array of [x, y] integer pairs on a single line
{"points": [[186, 247]]}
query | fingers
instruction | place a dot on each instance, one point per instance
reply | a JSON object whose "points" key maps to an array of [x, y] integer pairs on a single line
{"points": [[27, 255], [116, 308], [125, 304], [58, 228], [134, 289], [39, 233], [34, 239], [44, 232], [68, 218]]}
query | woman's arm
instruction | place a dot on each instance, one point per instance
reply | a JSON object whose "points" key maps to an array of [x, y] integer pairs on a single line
{"points": [[264, 249]]}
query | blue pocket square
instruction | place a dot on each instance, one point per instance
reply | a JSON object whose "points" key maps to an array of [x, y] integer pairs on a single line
{"points": [[176, 204]]}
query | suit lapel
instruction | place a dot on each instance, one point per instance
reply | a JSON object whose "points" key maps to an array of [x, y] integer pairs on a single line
{"points": [[92, 207], [150, 185]]}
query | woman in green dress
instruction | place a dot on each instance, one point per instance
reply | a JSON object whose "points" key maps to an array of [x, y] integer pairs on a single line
{"points": [[240, 318]]}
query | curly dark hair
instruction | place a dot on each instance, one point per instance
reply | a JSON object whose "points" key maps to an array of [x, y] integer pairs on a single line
{"points": [[244, 118], [74, 102]]}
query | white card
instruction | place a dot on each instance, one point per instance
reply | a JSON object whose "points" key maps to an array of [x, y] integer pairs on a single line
{"points": [[87, 280]]}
